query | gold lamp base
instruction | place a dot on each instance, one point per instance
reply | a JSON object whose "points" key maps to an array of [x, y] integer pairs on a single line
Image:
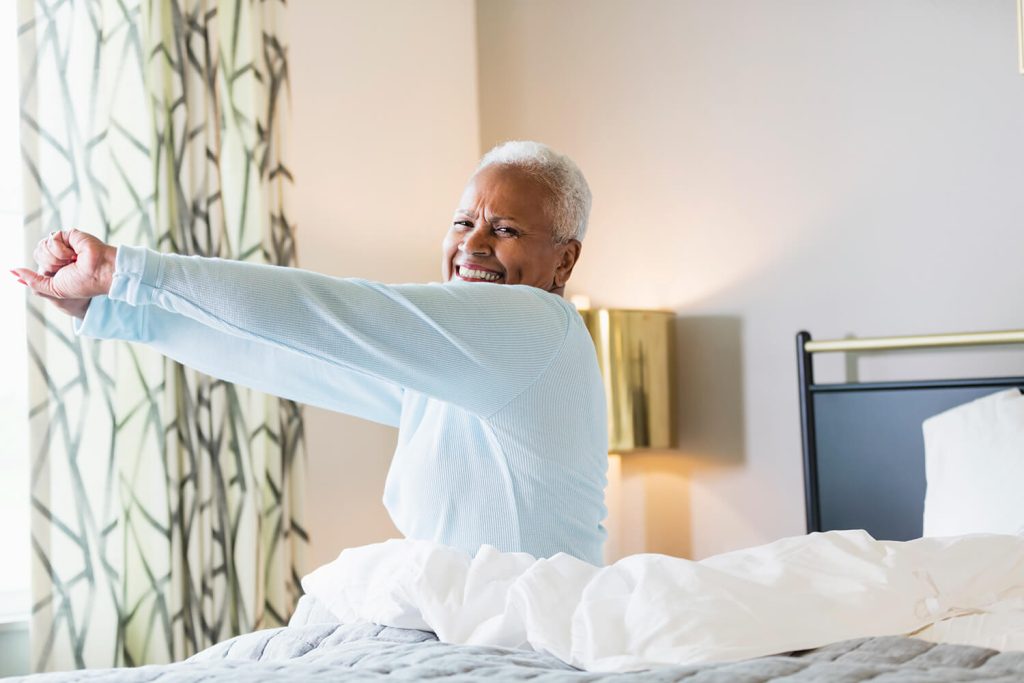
{"points": [[633, 349]]}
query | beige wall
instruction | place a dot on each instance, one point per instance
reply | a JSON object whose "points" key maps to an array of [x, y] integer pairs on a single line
{"points": [[845, 167], [385, 133]]}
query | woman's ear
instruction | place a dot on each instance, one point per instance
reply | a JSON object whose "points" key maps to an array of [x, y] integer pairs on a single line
{"points": [[567, 261]]}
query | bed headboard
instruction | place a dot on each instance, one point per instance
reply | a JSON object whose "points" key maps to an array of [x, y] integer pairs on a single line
{"points": [[862, 442]]}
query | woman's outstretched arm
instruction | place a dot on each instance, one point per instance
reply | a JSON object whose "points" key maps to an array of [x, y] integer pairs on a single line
{"points": [[474, 345], [243, 361], [225, 356]]}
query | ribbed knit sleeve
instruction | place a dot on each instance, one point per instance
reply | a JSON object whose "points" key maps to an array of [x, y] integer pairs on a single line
{"points": [[244, 361], [477, 345]]}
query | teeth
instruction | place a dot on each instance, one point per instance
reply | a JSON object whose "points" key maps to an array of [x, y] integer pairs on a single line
{"points": [[478, 274]]}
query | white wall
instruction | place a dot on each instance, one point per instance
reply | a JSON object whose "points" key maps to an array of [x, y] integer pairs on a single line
{"points": [[385, 133], [852, 166]]}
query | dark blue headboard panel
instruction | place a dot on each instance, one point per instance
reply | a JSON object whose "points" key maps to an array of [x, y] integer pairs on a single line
{"points": [[864, 449], [870, 454]]}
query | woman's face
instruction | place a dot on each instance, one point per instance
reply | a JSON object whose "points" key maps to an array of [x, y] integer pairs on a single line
{"points": [[502, 233]]}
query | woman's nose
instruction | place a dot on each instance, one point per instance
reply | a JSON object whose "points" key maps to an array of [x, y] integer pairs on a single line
{"points": [[477, 241]]}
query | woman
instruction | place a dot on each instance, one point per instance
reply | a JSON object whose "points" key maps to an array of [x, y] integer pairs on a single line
{"points": [[495, 389]]}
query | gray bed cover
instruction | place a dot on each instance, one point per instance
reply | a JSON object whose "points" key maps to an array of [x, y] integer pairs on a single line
{"points": [[359, 652]]}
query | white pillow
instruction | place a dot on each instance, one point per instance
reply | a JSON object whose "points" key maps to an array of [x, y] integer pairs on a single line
{"points": [[974, 465]]}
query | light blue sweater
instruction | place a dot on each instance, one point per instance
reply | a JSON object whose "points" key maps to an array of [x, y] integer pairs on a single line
{"points": [[495, 389]]}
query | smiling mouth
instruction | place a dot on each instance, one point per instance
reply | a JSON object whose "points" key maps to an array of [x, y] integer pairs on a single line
{"points": [[476, 275]]}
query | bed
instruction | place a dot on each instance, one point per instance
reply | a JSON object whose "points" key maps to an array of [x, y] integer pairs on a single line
{"points": [[864, 460], [857, 438]]}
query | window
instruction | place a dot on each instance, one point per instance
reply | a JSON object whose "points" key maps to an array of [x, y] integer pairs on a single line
{"points": [[14, 461]]}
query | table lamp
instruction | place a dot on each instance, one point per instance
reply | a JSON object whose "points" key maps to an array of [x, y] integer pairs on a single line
{"points": [[633, 352]]}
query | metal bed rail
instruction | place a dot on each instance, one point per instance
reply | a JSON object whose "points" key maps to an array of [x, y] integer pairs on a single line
{"points": [[921, 341]]}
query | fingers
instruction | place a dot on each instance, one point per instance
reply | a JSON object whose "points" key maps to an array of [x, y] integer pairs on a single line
{"points": [[53, 253], [72, 265], [73, 307], [60, 246], [78, 241], [39, 284], [47, 263]]}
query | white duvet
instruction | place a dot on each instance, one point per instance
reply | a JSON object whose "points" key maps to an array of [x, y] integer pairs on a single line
{"points": [[646, 611]]}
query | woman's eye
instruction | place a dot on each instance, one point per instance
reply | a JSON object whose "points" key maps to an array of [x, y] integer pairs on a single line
{"points": [[506, 231], [462, 224]]}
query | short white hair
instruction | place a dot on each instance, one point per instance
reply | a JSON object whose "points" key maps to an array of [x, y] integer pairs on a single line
{"points": [[555, 171]]}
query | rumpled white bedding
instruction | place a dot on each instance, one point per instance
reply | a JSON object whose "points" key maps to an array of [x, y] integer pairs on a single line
{"points": [[650, 610], [997, 627]]}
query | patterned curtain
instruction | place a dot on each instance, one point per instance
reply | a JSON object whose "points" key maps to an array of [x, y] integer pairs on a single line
{"points": [[166, 506]]}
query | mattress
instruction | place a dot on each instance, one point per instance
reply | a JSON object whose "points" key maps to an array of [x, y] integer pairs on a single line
{"points": [[337, 652]]}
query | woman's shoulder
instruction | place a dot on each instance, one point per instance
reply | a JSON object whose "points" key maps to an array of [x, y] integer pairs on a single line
{"points": [[486, 293]]}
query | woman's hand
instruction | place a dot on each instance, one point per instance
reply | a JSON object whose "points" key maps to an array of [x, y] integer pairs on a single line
{"points": [[73, 267]]}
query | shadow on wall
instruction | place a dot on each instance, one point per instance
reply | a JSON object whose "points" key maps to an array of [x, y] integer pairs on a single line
{"points": [[709, 389], [650, 503]]}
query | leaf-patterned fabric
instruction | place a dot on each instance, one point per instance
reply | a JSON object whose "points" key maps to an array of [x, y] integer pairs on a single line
{"points": [[166, 505]]}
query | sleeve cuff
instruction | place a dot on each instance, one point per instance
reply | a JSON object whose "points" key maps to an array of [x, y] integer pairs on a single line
{"points": [[137, 275], [107, 319], [83, 327]]}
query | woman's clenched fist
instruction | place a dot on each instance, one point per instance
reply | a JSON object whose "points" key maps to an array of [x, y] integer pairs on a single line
{"points": [[73, 267]]}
